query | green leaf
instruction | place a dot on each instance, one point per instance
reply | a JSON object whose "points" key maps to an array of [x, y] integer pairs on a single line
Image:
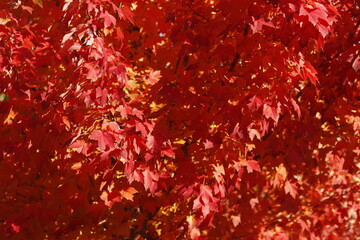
{"points": [[3, 97]]}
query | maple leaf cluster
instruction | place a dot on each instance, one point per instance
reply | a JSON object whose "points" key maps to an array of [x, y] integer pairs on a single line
{"points": [[184, 119]]}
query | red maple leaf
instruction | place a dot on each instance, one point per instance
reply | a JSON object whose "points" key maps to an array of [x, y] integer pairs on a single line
{"points": [[314, 14], [291, 188], [271, 112], [105, 140], [108, 19], [253, 165], [154, 77]]}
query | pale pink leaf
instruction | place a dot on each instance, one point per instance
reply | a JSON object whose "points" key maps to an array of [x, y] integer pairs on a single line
{"points": [[104, 139], [290, 188], [253, 165]]}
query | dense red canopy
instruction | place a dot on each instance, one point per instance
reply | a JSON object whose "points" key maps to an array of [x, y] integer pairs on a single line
{"points": [[179, 119]]}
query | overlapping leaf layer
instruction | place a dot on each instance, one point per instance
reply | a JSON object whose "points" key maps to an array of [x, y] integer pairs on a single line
{"points": [[189, 119]]}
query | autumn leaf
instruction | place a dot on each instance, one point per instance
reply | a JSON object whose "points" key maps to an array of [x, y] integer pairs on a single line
{"points": [[15, 228], [38, 2], [253, 165], [128, 13], [356, 64], [253, 202], [150, 180], [168, 152], [154, 77], [120, 34], [296, 107], [10, 117], [271, 112], [290, 188], [129, 193], [259, 23], [253, 133], [104, 139], [313, 14], [236, 220], [108, 19], [194, 233], [280, 175], [141, 128], [208, 144], [76, 166], [219, 169], [310, 73], [3, 97], [255, 102]]}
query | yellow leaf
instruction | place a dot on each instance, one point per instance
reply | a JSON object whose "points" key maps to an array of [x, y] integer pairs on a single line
{"points": [[4, 21], [129, 193], [38, 2], [76, 166], [10, 117]]}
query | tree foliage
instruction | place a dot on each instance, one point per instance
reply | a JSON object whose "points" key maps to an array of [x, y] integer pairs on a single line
{"points": [[179, 119]]}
